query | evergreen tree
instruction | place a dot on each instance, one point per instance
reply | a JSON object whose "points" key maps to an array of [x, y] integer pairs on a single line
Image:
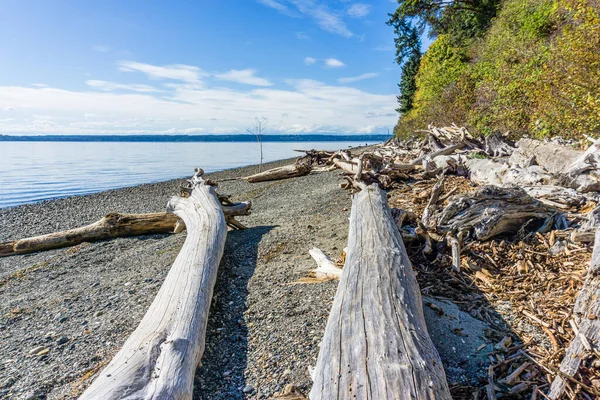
{"points": [[408, 83]]}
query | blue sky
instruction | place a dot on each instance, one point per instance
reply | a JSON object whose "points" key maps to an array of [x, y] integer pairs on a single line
{"points": [[196, 67]]}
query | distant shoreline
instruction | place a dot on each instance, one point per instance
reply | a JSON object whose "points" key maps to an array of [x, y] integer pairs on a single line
{"points": [[196, 138]]}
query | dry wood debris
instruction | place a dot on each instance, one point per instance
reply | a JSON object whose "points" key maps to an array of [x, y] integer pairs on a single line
{"points": [[508, 241]]}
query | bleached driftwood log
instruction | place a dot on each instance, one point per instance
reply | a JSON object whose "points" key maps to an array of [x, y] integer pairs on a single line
{"points": [[285, 172], [111, 226], [160, 357], [554, 158], [376, 344], [491, 211], [326, 268], [443, 152], [586, 326]]}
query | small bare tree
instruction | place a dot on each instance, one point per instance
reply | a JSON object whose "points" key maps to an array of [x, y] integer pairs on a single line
{"points": [[256, 130]]}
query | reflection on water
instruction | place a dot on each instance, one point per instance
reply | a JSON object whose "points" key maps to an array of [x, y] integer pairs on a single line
{"points": [[34, 171]]}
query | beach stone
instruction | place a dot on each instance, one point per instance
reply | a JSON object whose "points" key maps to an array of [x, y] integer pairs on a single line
{"points": [[43, 352], [98, 314], [36, 350], [62, 340], [8, 382], [248, 389]]}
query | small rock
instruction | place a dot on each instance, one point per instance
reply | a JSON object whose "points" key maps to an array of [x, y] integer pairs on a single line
{"points": [[43, 352], [98, 314], [36, 350], [128, 284], [248, 389], [63, 319], [62, 340], [8, 382], [287, 372], [30, 396]]}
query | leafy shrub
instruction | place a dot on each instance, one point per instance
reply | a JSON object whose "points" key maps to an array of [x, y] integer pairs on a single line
{"points": [[536, 72]]}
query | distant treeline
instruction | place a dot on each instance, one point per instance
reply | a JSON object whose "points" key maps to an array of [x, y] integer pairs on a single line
{"points": [[194, 138]]}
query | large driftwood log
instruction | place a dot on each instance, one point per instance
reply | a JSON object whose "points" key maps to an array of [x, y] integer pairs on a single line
{"points": [[376, 344], [491, 211], [554, 158], [587, 327], [160, 357], [285, 172], [111, 226]]}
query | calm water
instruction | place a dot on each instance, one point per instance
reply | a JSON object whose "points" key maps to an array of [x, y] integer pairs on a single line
{"points": [[35, 171]]}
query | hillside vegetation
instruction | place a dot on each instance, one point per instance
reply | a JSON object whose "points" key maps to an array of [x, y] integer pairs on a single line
{"points": [[523, 66]]}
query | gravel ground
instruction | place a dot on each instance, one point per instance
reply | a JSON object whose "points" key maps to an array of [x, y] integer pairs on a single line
{"points": [[65, 313]]}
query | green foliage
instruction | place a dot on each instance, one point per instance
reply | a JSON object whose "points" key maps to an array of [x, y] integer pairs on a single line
{"points": [[536, 71], [408, 83]]}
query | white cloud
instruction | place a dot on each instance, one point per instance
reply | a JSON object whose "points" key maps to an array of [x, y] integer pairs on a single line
{"points": [[302, 36], [245, 76], [327, 19], [102, 48], [359, 10], [334, 63], [179, 72], [276, 5], [111, 86], [39, 84], [351, 79], [301, 106], [310, 60]]}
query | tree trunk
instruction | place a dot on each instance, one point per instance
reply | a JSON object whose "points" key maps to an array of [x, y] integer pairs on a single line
{"points": [[159, 359], [376, 344], [114, 225], [111, 226], [285, 172], [586, 313]]}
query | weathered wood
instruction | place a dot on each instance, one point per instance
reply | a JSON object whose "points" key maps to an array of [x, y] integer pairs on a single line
{"points": [[326, 268], [285, 172], [587, 326], [443, 152], [111, 226], [491, 211], [376, 344], [554, 158], [159, 359], [114, 225]]}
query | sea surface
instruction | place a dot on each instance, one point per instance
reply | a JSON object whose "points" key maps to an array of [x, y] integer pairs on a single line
{"points": [[34, 171]]}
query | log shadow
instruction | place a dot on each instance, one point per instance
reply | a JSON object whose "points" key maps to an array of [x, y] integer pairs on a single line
{"points": [[465, 327], [221, 374]]}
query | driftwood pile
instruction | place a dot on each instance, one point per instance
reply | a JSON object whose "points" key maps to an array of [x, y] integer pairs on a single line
{"points": [[484, 223], [532, 201]]}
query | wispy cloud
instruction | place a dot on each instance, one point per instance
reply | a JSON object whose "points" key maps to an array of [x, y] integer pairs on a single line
{"points": [[359, 10], [327, 19], [310, 60], [179, 72], [111, 86], [334, 63], [302, 36], [352, 79], [276, 5], [245, 76]]}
